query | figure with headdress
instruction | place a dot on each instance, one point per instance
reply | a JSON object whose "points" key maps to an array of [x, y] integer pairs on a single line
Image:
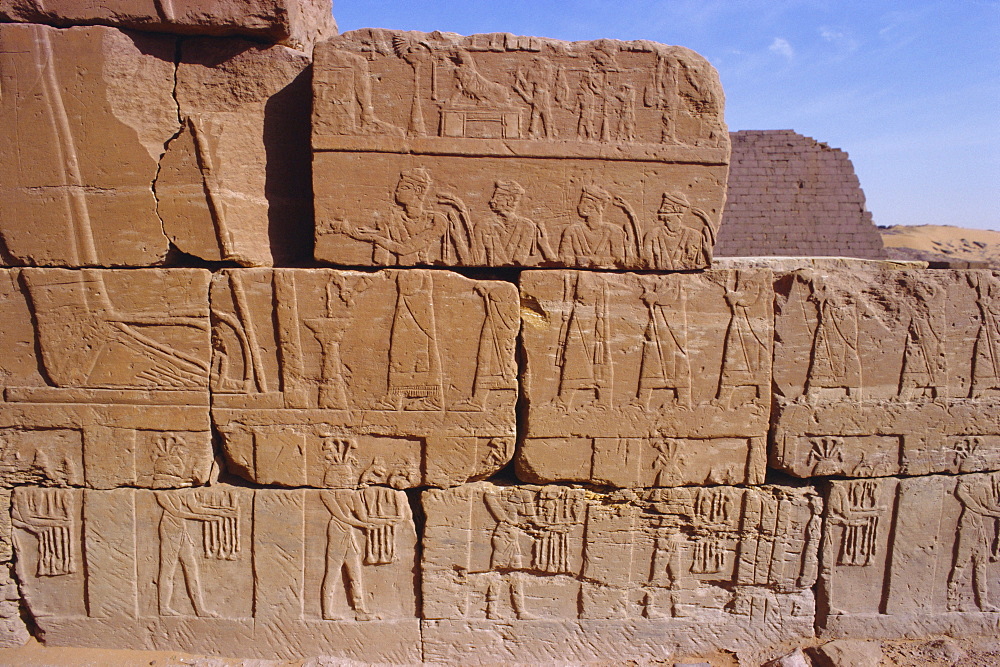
{"points": [[592, 241], [977, 543], [510, 238], [672, 245]]}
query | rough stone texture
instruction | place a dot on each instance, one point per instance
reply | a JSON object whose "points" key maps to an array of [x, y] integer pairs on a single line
{"points": [[496, 150], [646, 380], [112, 387], [131, 155], [792, 195], [222, 569], [574, 575], [341, 378], [910, 557], [296, 23], [234, 183], [881, 372], [847, 653], [13, 632], [86, 114]]}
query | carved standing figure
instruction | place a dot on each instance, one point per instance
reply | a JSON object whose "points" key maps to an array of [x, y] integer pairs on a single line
{"points": [[593, 242], [986, 357], [496, 369], [977, 540], [665, 363], [584, 353], [746, 355], [925, 365], [855, 506], [835, 362], [415, 379], [535, 88], [512, 508]]}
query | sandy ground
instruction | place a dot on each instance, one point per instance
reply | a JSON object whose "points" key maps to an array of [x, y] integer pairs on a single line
{"points": [[942, 243]]}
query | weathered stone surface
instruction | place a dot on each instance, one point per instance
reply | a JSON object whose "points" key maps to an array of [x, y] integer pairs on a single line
{"points": [[221, 569], [234, 183], [112, 387], [340, 378], [646, 380], [910, 557], [297, 23], [12, 629], [881, 372], [529, 573], [847, 653], [87, 112], [496, 150]]}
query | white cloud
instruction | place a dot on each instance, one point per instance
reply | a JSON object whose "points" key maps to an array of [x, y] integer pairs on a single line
{"points": [[844, 43], [781, 47]]}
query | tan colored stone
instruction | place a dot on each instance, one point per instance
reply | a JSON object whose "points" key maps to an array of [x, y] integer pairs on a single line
{"points": [[496, 150], [12, 629], [117, 392], [556, 573], [646, 380], [910, 557], [882, 372], [297, 23], [234, 183], [87, 112], [847, 653], [222, 570], [340, 378]]}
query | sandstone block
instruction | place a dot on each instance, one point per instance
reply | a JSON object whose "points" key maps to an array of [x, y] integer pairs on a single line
{"points": [[496, 150], [340, 378], [881, 372], [910, 557], [546, 573], [646, 380], [13, 632], [296, 23], [87, 112], [222, 570], [111, 388]]}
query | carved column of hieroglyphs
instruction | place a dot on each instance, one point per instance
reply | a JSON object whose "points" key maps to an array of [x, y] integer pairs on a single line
{"points": [[651, 380], [881, 372], [110, 386], [496, 150], [222, 569], [343, 379], [641, 573]]}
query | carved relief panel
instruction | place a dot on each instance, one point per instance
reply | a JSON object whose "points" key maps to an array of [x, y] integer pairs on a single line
{"points": [[901, 554], [443, 147], [343, 379], [646, 380], [887, 372], [640, 572], [106, 383], [222, 569]]}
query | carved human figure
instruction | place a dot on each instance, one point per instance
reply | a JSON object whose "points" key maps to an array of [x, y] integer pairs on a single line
{"points": [[986, 354], [513, 509], [593, 242], [666, 565], [413, 233], [855, 506], [496, 368], [584, 353], [509, 237], [745, 356], [589, 103], [835, 362], [349, 97], [925, 366], [672, 245], [348, 513], [48, 514], [625, 98], [415, 379], [177, 546], [665, 362], [535, 88], [661, 94], [977, 544]]}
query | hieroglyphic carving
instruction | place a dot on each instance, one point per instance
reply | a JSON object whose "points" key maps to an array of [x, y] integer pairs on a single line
{"points": [[510, 105], [122, 364], [222, 569], [407, 378], [913, 552], [626, 387], [573, 559], [876, 373]]}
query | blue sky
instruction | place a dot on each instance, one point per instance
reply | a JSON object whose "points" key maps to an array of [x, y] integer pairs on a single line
{"points": [[911, 90]]}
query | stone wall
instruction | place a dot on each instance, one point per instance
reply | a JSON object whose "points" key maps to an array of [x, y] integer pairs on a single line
{"points": [[794, 196], [429, 424]]}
